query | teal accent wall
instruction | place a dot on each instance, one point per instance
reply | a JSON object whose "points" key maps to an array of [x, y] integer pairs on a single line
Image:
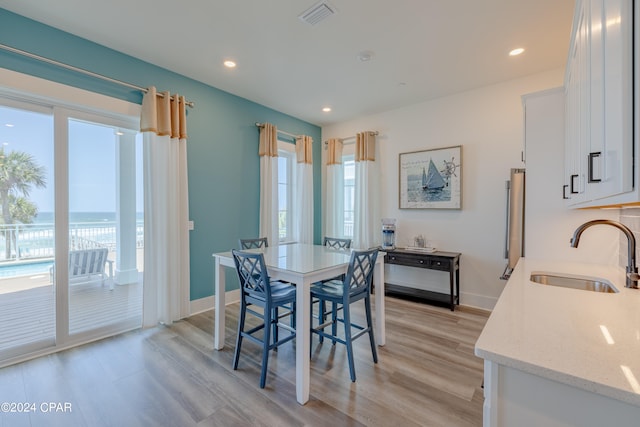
{"points": [[222, 136]]}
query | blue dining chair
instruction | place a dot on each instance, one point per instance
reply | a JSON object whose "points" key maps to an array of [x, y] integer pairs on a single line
{"points": [[261, 242], [333, 243], [258, 290], [356, 286]]}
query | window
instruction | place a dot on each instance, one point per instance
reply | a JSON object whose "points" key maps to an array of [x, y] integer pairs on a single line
{"points": [[349, 173], [82, 165], [286, 190]]}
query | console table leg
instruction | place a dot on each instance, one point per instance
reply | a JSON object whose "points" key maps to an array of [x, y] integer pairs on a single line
{"points": [[452, 304]]}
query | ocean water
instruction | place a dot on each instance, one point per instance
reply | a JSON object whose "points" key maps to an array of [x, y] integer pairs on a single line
{"points": [[36, 241], [81, 217]]}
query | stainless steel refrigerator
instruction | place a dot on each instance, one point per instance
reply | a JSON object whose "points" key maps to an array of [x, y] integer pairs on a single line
{"points": [[514, 232]]}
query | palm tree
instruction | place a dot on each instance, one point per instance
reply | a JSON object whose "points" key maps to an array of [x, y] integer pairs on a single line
{"points": [[19, 173]]}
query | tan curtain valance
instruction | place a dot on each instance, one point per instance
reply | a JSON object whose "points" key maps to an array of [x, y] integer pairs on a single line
{"points": [[268, 140], [303, 149], [365, 146], [334, 151], [165, 115]]}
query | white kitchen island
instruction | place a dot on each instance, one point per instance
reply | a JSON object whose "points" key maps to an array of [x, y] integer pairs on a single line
{"points": [[562, 357]]}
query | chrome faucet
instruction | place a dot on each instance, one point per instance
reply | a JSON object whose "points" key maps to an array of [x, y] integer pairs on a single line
{"points": [[632, 269]]}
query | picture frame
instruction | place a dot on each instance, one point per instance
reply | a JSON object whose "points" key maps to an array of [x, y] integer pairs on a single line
{"points": [[431, 179]]}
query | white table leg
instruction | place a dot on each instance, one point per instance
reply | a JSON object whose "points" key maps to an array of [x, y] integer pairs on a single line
{"points": [[303, 338], [378, 279], [219, 287]]}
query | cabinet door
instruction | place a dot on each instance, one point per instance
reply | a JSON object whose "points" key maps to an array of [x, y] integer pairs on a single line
{"points": [[599, 151], [617, 140], [577, 110], [594, 147]]}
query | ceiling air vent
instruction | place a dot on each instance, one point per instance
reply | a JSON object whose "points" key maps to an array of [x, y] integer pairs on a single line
{"points": [[317, 13]]}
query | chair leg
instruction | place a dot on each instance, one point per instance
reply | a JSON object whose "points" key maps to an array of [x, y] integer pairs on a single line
{"points": [[293, 315], [275, 327], [311, 323], [265, 346], [236, 356], [322, 307], [349, 342], [334, 321], [367, 309]]}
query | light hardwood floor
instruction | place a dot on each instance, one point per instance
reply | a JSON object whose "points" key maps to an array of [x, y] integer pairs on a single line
{"points": [[427, 375]]}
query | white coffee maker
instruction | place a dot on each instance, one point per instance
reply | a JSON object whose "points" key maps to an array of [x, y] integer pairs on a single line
{"points": [[388, 233]]}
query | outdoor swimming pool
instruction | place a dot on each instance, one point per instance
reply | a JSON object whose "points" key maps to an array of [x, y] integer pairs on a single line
{"points": [[26, 269]]}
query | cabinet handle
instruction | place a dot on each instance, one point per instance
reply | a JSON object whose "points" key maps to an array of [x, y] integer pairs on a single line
{"points": [[564, 191], [573, 186], [592, 156]]}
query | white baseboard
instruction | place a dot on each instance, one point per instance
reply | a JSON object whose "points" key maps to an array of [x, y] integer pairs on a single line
{"points": [[478, 301], [208, 303]]}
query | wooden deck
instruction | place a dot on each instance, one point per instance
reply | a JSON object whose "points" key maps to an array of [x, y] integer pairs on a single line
{"points": [[27, 309]]}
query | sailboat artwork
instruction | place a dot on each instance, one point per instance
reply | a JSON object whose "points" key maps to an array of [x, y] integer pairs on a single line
{"points": [[430, 179]]}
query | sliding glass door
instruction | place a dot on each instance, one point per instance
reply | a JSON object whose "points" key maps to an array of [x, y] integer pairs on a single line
{"points": [[27, 295], [105, 236], [71, 236]]}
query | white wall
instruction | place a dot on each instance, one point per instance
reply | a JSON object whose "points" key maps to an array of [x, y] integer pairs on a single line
{"points": [[549, 224], [488, 123]]}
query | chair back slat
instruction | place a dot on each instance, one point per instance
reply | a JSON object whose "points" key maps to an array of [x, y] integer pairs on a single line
{"points": [[360, 272], [252, 274], [336, 243], [261, 242]]}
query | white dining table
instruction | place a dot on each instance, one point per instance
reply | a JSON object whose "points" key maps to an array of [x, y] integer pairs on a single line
{"points": [[302, 264]]}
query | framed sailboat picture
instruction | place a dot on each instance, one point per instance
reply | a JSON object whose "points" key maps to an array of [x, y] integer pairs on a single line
{"points": [[431, 179]]}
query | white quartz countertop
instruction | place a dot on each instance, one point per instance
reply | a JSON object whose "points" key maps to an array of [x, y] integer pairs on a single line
{"points": [[585, 339]]}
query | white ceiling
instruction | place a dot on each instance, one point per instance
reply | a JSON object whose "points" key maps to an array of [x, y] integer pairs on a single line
{"points": [[423, 49]]}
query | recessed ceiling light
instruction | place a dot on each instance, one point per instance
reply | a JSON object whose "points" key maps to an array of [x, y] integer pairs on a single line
{"points": [[229, 64], [516, 52], [326, 109], [365, 55], [9, 125]]}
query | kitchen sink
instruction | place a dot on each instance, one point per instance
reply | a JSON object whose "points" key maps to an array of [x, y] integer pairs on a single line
{"points": [[573, 281]]}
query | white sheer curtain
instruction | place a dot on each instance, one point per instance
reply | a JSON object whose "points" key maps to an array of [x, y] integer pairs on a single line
{"points": [[335, 189], [268, 152], [166, 209], [303, 219], [366, 232]]}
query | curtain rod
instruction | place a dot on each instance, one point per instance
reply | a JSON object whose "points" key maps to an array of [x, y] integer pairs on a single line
{"points": [[261, 125], [351, 137], [81, 71]]}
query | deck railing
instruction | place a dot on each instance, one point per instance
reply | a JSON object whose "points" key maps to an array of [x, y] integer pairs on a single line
{"points": [[37, 240]]}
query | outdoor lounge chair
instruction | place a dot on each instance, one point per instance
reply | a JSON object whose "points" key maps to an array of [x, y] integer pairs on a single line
{"points": [[88, 262]]}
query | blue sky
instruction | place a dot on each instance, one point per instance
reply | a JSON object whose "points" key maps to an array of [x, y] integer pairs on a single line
{"points": [[92, 168]]}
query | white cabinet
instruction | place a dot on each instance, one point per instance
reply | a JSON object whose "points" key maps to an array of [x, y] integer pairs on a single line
{"points": [[516, 398], [600, 160], [577, 108]]}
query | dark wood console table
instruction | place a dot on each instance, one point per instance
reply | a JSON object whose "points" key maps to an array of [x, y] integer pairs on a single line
{"points": [[443, 261]]}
